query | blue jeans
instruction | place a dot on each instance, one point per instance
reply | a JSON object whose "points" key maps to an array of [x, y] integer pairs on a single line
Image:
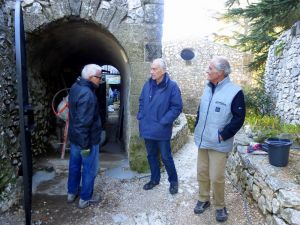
{"points": [[153, 147], [88, 173]]}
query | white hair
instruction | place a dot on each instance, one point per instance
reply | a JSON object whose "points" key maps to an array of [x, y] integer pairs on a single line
{"points": [[222, 64], [161, 63], [90, 70]]}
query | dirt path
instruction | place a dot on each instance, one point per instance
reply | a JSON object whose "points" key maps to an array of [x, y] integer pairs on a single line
{"points": [[124, 202]]}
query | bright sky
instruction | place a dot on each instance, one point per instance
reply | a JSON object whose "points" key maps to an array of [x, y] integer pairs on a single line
{"points": [[190, 18]]}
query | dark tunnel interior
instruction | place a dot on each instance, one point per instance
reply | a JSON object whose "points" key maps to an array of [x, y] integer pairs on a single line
{"points": [[56, 55]]}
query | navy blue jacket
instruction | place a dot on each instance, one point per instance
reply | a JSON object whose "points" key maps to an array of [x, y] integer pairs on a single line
{"points": [[84, 117], [159, 106]]}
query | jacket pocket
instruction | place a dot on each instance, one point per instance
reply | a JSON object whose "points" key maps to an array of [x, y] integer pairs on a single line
{"points": [[211, 135]]}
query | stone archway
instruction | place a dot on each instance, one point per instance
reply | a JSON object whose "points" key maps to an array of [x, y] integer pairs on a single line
{"points": [[124, 33]]}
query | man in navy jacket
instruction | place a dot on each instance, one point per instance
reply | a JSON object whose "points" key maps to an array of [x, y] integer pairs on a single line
{"points": [[84, 135], [160, 104]]}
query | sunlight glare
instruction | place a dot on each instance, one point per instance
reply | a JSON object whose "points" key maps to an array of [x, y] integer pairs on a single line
{"points": [[190, 18]]}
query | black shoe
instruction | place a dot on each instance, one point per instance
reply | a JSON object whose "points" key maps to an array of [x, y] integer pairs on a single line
{"points": [[201, 207], [221, 215], [150, 185], [173, 188]]}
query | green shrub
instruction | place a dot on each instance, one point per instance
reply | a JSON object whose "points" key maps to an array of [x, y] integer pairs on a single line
{"points": [[279, 48], [264, 127], [257, 101], [191, 119]]}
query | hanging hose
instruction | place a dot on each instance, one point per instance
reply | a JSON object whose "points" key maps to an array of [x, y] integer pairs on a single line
{"points": [[62, 113], [64, 99]]}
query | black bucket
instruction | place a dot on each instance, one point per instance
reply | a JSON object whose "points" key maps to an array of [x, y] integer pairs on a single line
{"points": [[278, 151]]}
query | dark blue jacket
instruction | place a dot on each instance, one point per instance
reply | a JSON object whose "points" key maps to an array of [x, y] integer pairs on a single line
{"points": [[84, 117], [159, 106]]}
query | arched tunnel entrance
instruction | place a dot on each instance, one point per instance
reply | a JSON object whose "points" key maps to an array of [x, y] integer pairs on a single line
{"points": [[56, 55]]}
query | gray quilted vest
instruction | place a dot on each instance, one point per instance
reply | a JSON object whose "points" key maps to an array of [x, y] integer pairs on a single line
{"points": [[214, 115]]}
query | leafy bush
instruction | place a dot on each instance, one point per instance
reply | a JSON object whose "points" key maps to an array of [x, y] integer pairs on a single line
{"points": [[191, 119], [263, 127], [257, 101], [279, 48]]}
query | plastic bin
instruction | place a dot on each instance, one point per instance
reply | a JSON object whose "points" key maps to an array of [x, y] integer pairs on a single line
{"points": [[278, 151]]}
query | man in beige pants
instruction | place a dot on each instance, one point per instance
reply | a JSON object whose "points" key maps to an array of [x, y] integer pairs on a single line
{"points": [[220, 115]]}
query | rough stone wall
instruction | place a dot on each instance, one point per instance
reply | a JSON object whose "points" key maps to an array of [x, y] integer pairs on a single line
{"points": [[282, 76], [274, 189], [9, 114], [191, 75]]}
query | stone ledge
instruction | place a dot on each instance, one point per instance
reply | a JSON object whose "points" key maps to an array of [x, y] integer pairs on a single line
{"points": [[137, 151], [274, 189], [179, 134]]}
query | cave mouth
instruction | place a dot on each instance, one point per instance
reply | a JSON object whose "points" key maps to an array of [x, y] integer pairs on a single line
{"points": [[56, 55]]}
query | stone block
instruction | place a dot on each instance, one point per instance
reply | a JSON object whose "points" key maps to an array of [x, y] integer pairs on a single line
{"points": [[278, 221], [258, 180], [154, 13], [133, 4], [250, 183], [94, 5], [152, 51], [75, 6], [119, 14], [276, 184], [244, 176], [34, 21], [289, 198], [60, 9], [85, 8], [104, 16], [275, 206], [268, 193], [262, 204], [292, 216], [256, 192]]}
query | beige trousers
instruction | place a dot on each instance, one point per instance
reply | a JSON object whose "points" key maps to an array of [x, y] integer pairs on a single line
{"points": [[211, 173]]}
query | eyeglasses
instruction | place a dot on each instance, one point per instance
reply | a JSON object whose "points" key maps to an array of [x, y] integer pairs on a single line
{"points": [[102, 77]]}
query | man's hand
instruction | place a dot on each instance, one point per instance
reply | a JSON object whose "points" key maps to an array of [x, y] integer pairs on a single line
{"points": [[85, 152]]}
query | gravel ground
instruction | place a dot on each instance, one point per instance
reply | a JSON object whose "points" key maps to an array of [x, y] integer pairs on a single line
{"points": [[124, 202]]}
